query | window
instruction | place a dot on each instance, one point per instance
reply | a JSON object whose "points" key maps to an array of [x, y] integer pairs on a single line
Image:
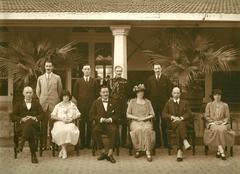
{"points": [[229, 82], [80, 56], [103, 61], [3, 83]]}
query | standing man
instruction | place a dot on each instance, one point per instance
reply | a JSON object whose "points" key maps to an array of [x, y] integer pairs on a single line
{"points": [[120, 94], [159, 91], [105, 115], [48, 90], [85, 92], [27, 114], [178, 113]]}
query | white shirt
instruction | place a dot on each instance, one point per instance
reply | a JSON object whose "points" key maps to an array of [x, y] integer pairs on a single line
{"points": [[48, 75], [86, 79], [29, 105], [105, 104], [178, 100], [158, 76]]}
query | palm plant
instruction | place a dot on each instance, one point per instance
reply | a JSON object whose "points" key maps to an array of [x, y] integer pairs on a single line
{"points": [[186, 55], [25, 59]]}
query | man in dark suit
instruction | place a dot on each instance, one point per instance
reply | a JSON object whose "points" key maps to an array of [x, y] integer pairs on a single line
{"points": [[178, 113], [85, 92], [159, 91], [104, 114], [120, 94], [27, 114]]}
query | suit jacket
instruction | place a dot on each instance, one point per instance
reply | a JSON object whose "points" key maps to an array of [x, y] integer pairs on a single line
{"points": [[158, 91], [20, 110], [97, 111], [85, 93], [49, 92], [180, 110]]}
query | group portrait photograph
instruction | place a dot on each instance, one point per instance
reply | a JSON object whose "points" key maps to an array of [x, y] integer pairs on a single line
{"points": [[120, 86]]}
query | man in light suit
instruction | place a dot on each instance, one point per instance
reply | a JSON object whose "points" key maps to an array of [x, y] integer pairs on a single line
{"points": [[48, 90]]}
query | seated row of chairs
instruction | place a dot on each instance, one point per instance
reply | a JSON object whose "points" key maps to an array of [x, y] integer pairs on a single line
{"points": [[171, 135]]}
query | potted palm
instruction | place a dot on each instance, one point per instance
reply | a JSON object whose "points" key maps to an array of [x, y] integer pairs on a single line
{"points": [[187, 56], [25, 58]]}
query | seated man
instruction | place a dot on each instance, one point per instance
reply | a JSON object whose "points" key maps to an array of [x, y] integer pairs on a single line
{"points": [[178, 113], [103, 113], [27, 113]]}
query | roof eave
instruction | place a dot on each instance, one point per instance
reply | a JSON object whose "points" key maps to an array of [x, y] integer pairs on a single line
{"points": [[119, 16]]}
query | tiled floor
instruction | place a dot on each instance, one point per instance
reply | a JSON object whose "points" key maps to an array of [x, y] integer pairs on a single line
{"points": [[86, 163]]}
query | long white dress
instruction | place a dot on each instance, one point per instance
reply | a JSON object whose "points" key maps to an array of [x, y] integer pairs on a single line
{"points": [[65, 133]]}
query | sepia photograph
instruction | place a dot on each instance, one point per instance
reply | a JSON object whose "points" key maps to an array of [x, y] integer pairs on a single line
{"points": [[120, 86]]}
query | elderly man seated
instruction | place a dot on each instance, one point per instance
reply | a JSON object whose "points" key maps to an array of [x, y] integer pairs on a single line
{"points": [[27, 113], [177, 112]]}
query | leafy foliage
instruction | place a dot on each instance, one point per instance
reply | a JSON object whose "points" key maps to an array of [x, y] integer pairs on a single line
{"points": [[186, 54]]}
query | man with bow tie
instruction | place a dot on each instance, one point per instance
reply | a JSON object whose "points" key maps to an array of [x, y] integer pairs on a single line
{"points": [[178, 113], [48, 90], [104, 113], [27, 114]]}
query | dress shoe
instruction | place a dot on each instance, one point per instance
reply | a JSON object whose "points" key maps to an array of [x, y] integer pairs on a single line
{"points": [[223, 157], [111, 159], [34, 158], [149, 158], [137, 154], [179, 155], [103, 156]]}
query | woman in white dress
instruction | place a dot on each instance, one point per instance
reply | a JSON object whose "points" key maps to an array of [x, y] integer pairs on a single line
{"points": [[64, 130]]}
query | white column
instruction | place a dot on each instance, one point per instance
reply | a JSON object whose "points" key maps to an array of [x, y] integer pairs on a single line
{"points": [[120, 33]]}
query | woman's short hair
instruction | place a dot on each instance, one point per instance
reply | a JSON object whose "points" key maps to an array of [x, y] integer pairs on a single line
{"points": [[66, 93], [216, 92]]}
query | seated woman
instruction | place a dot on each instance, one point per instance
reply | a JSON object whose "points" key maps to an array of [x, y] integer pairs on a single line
{"points": [[64, 130], [140, 111], [218, 132]]}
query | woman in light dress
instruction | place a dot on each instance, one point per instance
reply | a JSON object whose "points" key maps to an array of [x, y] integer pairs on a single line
{"points": [[218, 132], [140, 111], [64, 131]]}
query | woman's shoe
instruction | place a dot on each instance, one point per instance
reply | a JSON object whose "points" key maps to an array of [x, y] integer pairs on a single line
{"points": [[223, 157], [60, 154], [64, 154], [149, 158], [218, 154], [137, 154]]}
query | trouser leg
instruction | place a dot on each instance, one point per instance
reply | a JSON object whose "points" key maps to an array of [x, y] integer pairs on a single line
{"points": [[96, 133]]}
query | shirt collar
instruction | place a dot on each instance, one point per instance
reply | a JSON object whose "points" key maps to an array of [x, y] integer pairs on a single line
{"points": [[48, 75], [85, 78], [158, 75], [105, 100], [30, 101], [178, 100]]}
